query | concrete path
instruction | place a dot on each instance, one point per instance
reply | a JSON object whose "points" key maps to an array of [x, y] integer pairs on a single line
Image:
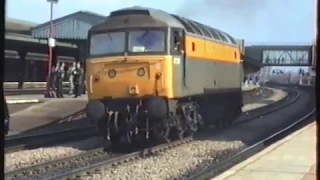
{"points": [[277, 96], [49, 111], [292, 158], [35, 98]]}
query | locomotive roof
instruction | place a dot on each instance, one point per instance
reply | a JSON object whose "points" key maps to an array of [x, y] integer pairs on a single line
{"points": [[173, 20]]}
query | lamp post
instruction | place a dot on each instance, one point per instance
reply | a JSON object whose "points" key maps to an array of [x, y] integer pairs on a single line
{"points": [[51, 44]]}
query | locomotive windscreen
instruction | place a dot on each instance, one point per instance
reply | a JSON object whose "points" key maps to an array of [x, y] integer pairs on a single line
{"points": [[147, 41], [107, 43]]}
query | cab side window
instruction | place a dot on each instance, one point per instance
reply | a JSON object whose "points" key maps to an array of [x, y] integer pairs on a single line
{"points": [[177, 41]]}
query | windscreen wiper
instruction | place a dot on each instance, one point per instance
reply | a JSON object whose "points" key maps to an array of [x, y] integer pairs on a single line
{"points": [[143, 36]]}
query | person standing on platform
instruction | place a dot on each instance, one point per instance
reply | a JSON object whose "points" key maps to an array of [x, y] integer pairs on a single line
{"points": [[70, 77], [6, 115], [20, 80], [52, 82], [257, 79], [245, 78], [77, 80], [54, 77], [60, 77]]}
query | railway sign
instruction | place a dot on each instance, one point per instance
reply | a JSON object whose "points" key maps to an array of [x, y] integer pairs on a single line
{"points": [[176, 60], [51, 42]]}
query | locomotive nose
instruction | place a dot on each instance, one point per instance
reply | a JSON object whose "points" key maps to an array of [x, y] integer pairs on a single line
{"points": [[95, 111]]}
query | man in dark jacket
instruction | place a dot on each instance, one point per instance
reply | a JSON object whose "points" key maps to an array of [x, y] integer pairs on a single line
{"points": [[21, 79], [6, 115], [52, 83], [70, 77], [77, 80], [60, 77]]}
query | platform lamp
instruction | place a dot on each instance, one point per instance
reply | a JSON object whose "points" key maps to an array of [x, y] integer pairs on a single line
{"points": [[51, 44]]}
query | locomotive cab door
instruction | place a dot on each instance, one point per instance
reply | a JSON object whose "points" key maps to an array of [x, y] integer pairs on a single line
{"points": [[178, 51]]}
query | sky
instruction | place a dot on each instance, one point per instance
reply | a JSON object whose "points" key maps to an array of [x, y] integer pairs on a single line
{"points": [[283, 22]]}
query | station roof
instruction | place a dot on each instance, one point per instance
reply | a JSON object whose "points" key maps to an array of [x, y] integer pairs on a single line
{"points": [[30, 39], [18, 26], [35, 56], [74, 26]]}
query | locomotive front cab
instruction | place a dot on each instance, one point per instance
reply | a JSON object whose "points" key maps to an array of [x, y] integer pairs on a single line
{"points": [[133, 62], [127, 66]]}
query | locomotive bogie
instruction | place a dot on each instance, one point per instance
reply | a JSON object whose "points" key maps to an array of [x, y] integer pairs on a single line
{"points": [[150, 118]]}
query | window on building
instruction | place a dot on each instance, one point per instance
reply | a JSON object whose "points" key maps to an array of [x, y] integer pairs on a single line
{"points": [[302, 57], [285, 57]]}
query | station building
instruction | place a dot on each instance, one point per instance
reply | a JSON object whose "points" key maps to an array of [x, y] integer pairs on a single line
{"points": [[26, 58]]}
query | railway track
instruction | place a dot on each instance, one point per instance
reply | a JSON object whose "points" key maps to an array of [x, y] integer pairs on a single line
{"points": [[85, 162], [22, 142], [91, 161], [32, 139]]}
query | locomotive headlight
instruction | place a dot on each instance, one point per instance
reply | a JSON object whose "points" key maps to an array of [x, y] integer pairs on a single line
{"points": [[141, 72], [112, 73]]}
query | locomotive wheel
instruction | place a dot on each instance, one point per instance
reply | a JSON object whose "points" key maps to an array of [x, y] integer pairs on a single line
{"points": [[115, 142], [218, 124], [176, 134], [226, 120], [226, 123], [188, 133]]}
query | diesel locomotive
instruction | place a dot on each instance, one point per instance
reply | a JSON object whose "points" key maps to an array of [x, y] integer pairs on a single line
{"points": [[152, 75]]}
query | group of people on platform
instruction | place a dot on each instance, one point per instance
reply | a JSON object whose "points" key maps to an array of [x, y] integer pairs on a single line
{"points": [[74, 75], [251, 78]]}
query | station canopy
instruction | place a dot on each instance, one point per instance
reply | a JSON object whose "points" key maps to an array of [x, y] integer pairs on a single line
{"points": [[71, 27]]}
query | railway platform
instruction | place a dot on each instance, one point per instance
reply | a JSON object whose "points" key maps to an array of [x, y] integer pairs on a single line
{"points": [[249, 87], [277, 96], [36, 98], [29, 88], [49, 111], [32, 98], [292, 158], [25, 99]]}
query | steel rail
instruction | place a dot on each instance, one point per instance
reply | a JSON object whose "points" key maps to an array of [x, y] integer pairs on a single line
{"points": [[120, 159], [17, 143]]}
